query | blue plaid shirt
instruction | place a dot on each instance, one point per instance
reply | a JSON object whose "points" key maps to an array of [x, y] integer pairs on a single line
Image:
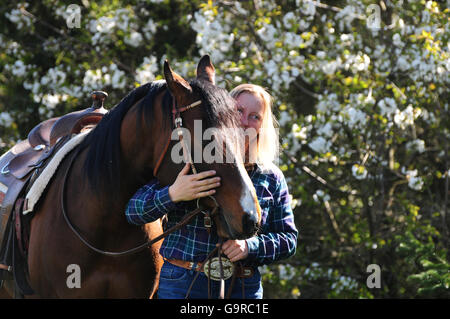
{"points": [[276, 240]]}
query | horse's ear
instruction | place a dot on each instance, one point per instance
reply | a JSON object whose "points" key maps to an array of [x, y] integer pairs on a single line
{"points": [[178, 86], [205, 70]]}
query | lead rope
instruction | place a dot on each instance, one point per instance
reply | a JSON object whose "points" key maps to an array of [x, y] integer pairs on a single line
{"points": [[209, 278], [222, 281], [233, 279], [202, 266], [217, 250]]}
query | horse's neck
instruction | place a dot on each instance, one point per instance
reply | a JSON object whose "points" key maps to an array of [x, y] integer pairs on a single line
{"points": [[142, 150], [104, 201]]}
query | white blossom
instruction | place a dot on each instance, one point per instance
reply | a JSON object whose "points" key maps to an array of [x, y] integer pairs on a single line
{"points": [[307, 7], [288, 19], [19, 68], [299, 132], [92, 79], [5, 119], [361, 63], [146, 71], [359, 172], [320, 145], [118, 77], [387, 107], [406, 117], [103, 25], [51, 100], [330, 67], [284, 118], [18, 18], [239, 8], [326, 130], [286, 272], [134, 39], [355, 117], [346, 16], [416, 145], [149, 29], [54, 78], [414, 182], [397, 41], [369, 99], [402, 63]]}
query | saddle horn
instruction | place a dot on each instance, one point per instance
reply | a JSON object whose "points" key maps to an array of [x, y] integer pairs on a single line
{"points": [[98, 99]]}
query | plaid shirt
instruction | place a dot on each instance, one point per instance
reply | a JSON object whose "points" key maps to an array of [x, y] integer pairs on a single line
{"points": [[276, 240]]}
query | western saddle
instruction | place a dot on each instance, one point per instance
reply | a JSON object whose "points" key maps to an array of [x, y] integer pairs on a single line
{"points": [[19, 168]]}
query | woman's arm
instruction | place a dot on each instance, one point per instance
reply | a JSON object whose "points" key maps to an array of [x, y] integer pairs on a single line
{"points": [[152, 201], [279, 237], [149, 203]]}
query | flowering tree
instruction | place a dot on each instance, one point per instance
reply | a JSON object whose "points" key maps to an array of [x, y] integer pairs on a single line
{"points": [[360, 90]]}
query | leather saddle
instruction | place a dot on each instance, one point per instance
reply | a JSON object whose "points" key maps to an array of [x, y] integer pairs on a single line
{"points": [[20, 167]]}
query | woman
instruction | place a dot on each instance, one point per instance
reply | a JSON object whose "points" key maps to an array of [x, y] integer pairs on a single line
{"points": [[277, 238]]}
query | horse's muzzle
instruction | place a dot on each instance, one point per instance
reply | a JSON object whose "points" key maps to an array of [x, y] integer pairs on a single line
{"points": [[250, 224]]}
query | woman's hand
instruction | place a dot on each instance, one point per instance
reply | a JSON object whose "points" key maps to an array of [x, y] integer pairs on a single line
{"points": [[189, 187], [235, 249]]}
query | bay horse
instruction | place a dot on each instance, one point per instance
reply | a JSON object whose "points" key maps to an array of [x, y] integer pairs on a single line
{"points": [[116, 158]]}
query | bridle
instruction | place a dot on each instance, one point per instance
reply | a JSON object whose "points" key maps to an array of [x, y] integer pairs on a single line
{"points": [[178, 123]]}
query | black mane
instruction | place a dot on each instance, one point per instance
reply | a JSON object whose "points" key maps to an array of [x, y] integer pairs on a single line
{"points": [[102, 164]]}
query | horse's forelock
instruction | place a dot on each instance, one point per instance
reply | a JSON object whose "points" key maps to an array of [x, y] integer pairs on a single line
{"points": [[219, 105], [221, 114]]}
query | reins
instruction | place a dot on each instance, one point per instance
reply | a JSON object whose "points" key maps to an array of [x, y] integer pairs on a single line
{"points": [[186, 219]]}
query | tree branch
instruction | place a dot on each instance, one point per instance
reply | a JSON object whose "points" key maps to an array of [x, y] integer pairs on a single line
{"points": [[66, 36]]}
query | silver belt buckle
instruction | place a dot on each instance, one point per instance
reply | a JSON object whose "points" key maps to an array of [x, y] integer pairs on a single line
{"points": [[213, 272]]}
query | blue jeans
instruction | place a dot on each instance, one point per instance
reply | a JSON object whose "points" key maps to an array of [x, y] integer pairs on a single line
{"points": [[174, 283]]}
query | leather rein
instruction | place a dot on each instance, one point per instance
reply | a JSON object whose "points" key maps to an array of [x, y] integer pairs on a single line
{"points": [[186, 219]]}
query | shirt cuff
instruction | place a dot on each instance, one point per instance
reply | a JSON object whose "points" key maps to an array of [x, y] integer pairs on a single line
{"points": [[253, 247], [163, 199]]}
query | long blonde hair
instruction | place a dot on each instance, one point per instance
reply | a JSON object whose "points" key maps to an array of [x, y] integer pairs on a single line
{"points": [[268, 143]]}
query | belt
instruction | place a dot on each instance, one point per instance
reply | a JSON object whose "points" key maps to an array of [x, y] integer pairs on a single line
{"points": [[212, 268]]}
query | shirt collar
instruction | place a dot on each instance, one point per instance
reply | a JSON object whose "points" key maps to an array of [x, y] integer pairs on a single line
{"points": [[256, 167]]}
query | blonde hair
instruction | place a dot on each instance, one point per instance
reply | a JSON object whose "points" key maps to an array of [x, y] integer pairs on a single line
{"points": [[268, 143]]}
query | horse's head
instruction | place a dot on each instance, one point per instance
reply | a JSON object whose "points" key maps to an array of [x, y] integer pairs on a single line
{"points": [[210, 128]]}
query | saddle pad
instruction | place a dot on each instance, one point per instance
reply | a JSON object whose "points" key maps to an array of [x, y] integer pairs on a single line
{"points": [[3, 190], [41, 182]]}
